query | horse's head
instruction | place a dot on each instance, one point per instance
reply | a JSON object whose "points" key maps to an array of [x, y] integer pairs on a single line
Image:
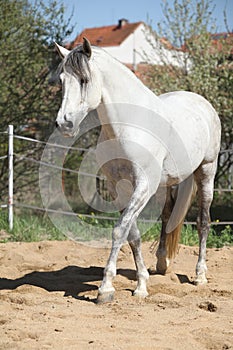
{"points": [[81, 87]]}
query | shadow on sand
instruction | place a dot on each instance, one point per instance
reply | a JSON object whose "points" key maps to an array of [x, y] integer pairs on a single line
{"points": [[72, 280]]}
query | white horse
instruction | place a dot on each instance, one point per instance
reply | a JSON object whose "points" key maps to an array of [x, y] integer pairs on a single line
{"points": [[150, 141]]}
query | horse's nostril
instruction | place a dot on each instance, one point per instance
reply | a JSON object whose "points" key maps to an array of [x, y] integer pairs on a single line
{"points": [[69, 124], [57, 125]]}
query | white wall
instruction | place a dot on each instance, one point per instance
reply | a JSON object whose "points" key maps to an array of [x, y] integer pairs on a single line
{"points": [[141, 46]]}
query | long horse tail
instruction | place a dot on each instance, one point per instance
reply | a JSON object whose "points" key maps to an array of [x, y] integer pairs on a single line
{"points": [[183, 197]]}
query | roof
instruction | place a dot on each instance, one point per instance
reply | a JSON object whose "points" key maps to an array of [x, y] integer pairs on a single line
{"points": [[223, 42], [112, 35], [220, 42], [142, 71]]}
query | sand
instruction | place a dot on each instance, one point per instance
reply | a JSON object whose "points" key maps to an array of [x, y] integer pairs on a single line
{"points": [[48, 300]]}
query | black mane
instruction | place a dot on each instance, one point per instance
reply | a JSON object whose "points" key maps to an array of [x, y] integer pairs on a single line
{"points": [[77, 64]]}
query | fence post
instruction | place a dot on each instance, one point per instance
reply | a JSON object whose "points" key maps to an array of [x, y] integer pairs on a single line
{"points": [[10, 172]]}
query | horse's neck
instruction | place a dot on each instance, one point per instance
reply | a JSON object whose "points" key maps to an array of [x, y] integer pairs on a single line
{"points": [[120, 85], [124, 98]]}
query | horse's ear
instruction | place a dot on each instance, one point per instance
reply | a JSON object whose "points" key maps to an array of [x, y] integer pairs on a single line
{"points": [[86, 47], [62, 51]]}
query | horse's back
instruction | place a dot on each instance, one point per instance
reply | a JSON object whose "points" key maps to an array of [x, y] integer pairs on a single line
{"points": [[186, 101], [195, 120]]}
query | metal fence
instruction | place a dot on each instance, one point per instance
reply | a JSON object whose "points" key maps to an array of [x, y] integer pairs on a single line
{"points": [[11, 204]]}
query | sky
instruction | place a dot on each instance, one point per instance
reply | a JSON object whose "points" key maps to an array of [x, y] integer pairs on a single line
{"points": [[97, 13]]}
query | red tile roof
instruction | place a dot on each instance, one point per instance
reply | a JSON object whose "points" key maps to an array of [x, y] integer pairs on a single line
{"points": [[142, 71], [112, 35], [222, 42], [219, 42]]}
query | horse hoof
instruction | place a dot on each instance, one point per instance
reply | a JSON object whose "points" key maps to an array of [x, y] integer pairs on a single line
{"points": [[152, 270], [140, 294], [200, 280], [163, 266], [159, 269], [107, 297]]}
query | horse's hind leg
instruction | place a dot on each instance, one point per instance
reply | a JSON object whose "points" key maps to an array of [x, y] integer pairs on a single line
{"points": [[134, 240], [163, 255], [177, 202], [204, 177]]}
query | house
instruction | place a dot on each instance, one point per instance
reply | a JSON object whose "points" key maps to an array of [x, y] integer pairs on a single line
{"points": [[132, 44], [218, 43], [223, 42]]}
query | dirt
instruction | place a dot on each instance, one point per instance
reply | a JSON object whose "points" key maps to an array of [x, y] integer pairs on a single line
{"points": [[48, 300]]}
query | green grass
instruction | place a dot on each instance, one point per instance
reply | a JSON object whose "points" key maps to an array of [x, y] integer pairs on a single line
{"points": [[189, 236], [29, 228], [33, 228]]}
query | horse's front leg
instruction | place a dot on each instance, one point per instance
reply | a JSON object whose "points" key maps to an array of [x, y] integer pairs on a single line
{"points": [[119, 236]]}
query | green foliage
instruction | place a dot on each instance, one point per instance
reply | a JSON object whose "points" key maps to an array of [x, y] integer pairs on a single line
{"points": [[189, 236], [152, 234], [215, 240], [219, 240], [99, 222], [27, 32], [27, 99], [29, 228], [185, 19]]}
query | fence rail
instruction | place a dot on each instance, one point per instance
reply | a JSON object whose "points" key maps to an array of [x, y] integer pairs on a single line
{"points": [[11, 204], [58, 167], [103, 217]]}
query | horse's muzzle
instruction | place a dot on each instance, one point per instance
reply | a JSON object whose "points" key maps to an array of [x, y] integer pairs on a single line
{"points": [[66, 128]]}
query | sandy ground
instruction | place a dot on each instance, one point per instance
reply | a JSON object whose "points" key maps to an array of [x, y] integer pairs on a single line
{"points": [[48, 292]]}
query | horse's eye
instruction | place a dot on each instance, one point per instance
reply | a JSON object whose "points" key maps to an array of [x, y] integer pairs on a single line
{"points": [[83, 81]]}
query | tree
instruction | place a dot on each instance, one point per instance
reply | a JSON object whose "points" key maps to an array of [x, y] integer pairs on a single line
{"points": [[206, 66], [27, 100]]}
